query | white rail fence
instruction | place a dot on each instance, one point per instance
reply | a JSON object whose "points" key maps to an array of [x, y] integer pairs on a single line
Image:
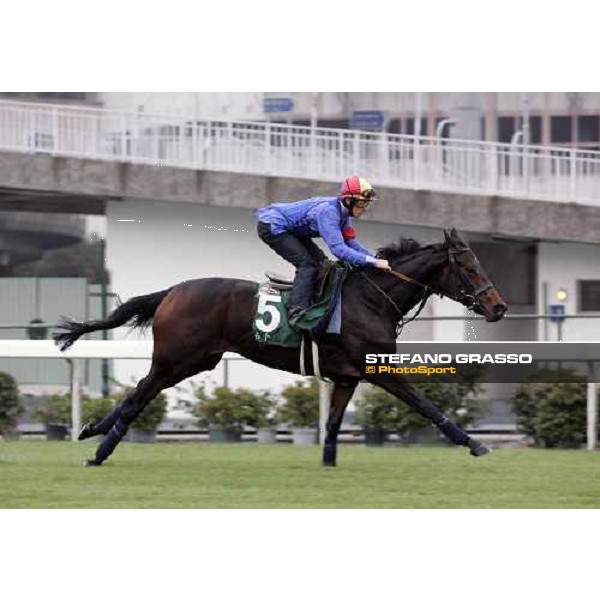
{"points": [[419, 162], [140, 349], [143, 350]]}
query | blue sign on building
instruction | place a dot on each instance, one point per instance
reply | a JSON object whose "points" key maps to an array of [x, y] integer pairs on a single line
{"points": [[372, 120], [271, 105], [557, 312]]}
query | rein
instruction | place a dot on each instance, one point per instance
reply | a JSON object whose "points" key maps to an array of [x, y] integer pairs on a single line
{"points": [[401, 321], [472, 299]]}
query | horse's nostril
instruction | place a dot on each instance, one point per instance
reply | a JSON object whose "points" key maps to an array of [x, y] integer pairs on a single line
{"points": [[500, 309]]}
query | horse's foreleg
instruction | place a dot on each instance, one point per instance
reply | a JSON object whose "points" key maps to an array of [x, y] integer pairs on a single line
{"points": [[342, 392], [427, 409]]}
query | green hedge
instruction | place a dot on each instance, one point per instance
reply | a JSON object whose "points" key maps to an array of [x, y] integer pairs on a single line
{"points": [[554, 414], [233, 409], [10, 404], [301, 407]]}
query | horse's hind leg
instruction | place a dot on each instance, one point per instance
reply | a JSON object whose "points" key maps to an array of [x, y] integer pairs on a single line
{"points": [[105, 425], [90, 430], [115, 426], [342, 392]]}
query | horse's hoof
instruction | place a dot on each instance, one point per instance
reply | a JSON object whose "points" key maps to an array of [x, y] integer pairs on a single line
{"points": [[86, 432], [92, 462], [480, 450]]}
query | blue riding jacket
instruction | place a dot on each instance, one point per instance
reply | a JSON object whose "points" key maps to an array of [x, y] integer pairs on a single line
{"points": [[326, 217]]}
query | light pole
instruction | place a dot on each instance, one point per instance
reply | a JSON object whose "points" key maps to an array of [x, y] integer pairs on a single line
{"points": [[417, 133], [525, 120], [575, 100], [104, 310], [314, 116], [558, 311], [526, 139], [439, 131]]}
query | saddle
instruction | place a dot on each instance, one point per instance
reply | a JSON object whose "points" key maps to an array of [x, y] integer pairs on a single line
{"points": [[271, 324]]}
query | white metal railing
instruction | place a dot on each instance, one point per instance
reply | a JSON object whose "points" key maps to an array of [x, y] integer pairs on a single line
{"points": [[472, 167]]}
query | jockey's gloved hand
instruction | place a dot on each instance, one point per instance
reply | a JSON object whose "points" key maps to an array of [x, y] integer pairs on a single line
{"points": [[381, 263]]}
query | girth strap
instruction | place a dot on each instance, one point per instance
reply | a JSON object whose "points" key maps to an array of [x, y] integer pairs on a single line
{"points": [[315, 358], [316, 369]]}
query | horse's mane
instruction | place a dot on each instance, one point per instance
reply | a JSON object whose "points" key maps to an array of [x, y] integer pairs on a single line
{"points": [[403, 248]]}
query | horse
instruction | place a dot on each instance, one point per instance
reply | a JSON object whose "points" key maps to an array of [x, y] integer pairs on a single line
{"points": [[195, 322]]}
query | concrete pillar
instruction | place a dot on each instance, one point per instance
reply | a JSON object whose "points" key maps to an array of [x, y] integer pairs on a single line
{"points": [[466, 111], [491, 116], [448, 330]]}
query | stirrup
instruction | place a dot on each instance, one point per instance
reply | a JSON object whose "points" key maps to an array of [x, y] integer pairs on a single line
{"points": [[279, 282]]}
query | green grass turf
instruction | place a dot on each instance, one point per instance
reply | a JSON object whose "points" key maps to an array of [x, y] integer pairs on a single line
{"points": [[39, 474]]}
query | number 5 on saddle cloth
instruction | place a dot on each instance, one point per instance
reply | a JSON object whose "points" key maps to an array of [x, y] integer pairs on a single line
{"points": [[270, 324]]}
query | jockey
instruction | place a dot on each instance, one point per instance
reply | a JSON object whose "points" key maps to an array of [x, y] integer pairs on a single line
{"points": [[288, 229]]}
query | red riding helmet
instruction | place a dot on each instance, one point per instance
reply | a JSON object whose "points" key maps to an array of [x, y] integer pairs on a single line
{"points": [[356, 188]]}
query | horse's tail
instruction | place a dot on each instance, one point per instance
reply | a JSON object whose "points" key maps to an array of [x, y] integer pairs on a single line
{"points": [[141, 309]]}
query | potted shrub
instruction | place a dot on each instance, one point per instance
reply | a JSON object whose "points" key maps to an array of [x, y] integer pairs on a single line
{"points": [[94, 410], [10, 405], [301, 410], [266, 418], [55, 413], [552, 411], [377, 412], [226, 412]]}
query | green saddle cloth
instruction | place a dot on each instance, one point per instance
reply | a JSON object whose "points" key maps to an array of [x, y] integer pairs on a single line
{"points": [[271, 325]]}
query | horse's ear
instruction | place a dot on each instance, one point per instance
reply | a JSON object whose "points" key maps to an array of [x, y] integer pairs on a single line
{"points": [[447, 237], [457, 238]]}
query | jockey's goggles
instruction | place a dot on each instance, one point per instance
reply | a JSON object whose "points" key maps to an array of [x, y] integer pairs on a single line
{"points": [[363, 200], [364, 204]]}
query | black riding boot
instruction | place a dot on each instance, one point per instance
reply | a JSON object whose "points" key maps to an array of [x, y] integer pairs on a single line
{"points": [[301, 295]]}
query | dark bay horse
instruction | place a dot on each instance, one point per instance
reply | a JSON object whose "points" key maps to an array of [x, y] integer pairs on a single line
{"points": [[195, 322]]}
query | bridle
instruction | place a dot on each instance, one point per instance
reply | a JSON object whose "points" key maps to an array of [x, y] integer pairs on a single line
{"points": [[470, 298]]}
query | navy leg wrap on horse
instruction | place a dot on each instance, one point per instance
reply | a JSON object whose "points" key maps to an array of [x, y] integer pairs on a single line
{"points": [[106, 424], [329, 454], [109, 443], [458, 435]]}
